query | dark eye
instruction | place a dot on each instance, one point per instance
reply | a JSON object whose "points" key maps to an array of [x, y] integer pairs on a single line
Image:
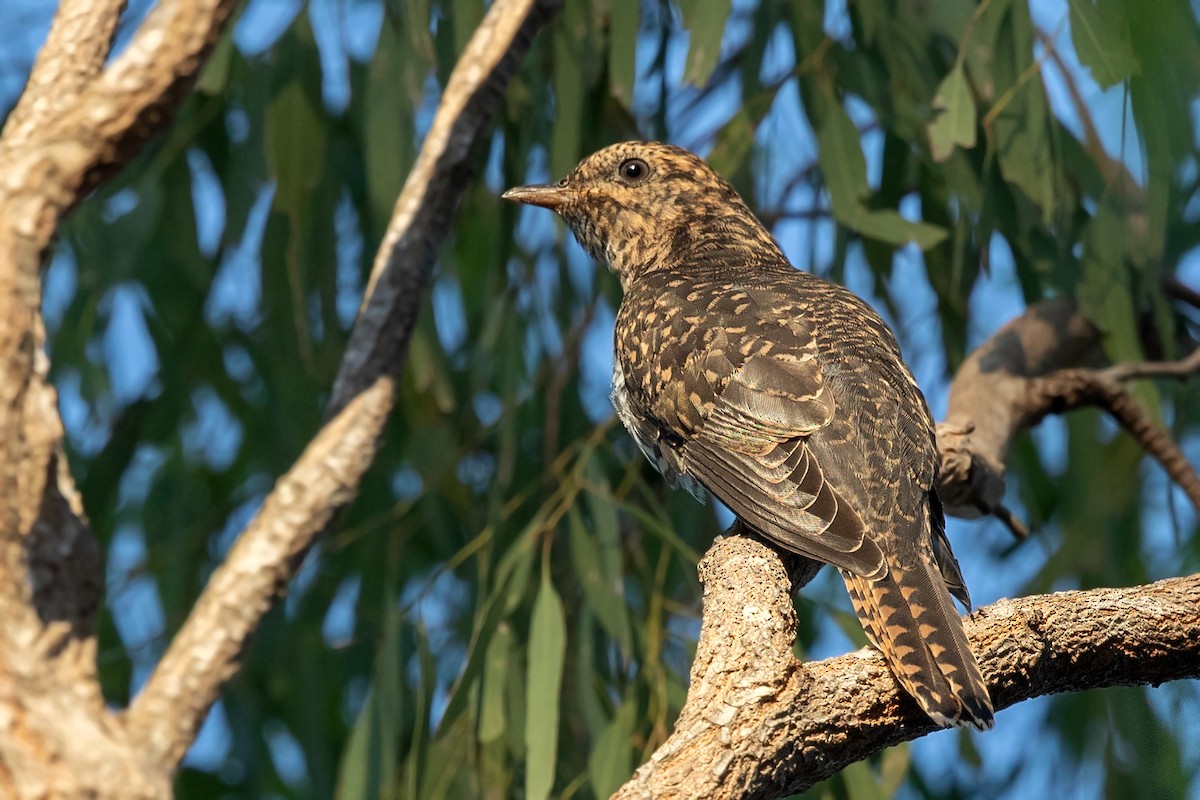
{"points": [[562, 184], [633, 171]]}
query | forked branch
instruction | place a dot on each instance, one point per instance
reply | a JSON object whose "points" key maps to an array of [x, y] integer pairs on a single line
{"points": [[1046, 361]]}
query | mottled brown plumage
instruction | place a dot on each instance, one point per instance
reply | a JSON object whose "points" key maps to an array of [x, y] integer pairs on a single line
{"points": [[782, 394]]}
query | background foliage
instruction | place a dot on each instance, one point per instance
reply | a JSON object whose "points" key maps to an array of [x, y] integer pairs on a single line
{"points": [[509, 608]]}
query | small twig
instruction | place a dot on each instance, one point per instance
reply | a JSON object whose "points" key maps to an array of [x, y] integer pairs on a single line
{"points": [[1016, 526], [1034, 69], [1181, 292], [1070, 389], [1181, 369]]}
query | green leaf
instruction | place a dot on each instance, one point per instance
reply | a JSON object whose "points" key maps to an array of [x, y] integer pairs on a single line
{"points": [[568, 102], [492, 717], [736, 139], [861, 783], [845, 170], [368, 768], [601, 588], [611, 761], [387, 137], [1021, 128], [623, 26], [954, 124], [893, 769], [547, 648], [215, 74], [842, 162], [513, 570], [706, 22], [1102, 42], [418, 764], [891, 228], [1106, 297], [295, 141]]}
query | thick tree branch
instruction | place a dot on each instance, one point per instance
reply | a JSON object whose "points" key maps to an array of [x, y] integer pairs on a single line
{"points": [[758, 723], [80, 38], [1046, 361], [57, 738], [988, 399], [166, 716], [1069, 389]]}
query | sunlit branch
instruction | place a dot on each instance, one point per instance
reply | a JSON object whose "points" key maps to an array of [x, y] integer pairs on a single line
{"points": [[422, 214], [73, 55], [165, 718], [757, 723]]}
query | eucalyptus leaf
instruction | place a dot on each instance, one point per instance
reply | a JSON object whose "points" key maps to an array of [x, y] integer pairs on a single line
{"points": [[706, 23], [547, 650], [1101, 38], [954, 123]]}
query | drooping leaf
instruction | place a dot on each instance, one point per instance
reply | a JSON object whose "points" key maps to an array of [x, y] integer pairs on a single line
{"points": [[599, 587], [706, 23], [845, 171], [842, 163], [492, 713], [954, 125], [624, 19], [1101, 39], [611, 760], [1021, 126], [368, 768], [547, 649]]}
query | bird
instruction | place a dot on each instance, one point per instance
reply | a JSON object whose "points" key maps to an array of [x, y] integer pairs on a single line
{"points": [[782, 394]]}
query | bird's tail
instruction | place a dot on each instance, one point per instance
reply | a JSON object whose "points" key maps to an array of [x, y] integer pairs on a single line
{"points": [[909, 616]]}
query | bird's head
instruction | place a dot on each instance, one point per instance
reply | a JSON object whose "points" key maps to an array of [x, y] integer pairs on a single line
{"points": [[637, 206]]}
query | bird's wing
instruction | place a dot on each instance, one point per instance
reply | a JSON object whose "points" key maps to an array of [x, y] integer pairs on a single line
{"points": [[743, 407]]}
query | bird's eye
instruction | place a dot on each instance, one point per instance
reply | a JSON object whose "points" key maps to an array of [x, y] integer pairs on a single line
{"points": [[633, 171], [562, 184]]}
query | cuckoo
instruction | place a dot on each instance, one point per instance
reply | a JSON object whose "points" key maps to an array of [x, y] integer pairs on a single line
{"points": [[782, 394]]}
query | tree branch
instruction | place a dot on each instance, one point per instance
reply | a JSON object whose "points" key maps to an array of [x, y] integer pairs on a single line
{"points": [[74, 124], [1070, 389], [80, 38], [988, 399], [396, 290], [165, 718], [1046, 361], [757, 723]]}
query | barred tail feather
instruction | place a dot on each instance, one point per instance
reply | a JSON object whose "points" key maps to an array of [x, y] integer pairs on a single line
{"points": [[909, 616]]}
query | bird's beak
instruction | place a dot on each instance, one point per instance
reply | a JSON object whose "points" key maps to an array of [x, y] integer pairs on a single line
{"points": [[546, 195]]}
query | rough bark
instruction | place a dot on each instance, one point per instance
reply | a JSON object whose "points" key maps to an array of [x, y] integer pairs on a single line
{"points": [[76, 122], [760, 724]]}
